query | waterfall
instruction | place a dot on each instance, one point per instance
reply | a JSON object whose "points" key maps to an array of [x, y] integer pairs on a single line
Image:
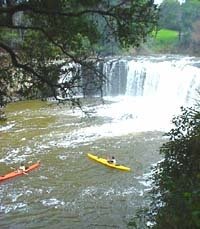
{"points": [[142, 93], [115, 71], [164, 78]]}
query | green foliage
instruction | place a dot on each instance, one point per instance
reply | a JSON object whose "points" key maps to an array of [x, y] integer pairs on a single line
{"points": [[166, 36], [164, 40], [69, 30], [181, 18], [176, 191], [190, 14], [43, 50], [8, 35], [170, 15]]}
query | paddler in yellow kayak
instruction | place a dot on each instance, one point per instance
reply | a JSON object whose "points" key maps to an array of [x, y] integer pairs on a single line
{"points": [[112, 160]]}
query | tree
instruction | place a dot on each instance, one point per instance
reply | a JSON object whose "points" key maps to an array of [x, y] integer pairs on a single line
{"points": [[39, 38], [195, 36], [170, 15], [190, 13], [176, 181]]}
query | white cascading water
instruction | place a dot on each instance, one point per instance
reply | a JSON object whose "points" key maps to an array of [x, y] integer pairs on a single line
{"points": [[167, 80], [176, 79], [145, 92], [150, 90]]}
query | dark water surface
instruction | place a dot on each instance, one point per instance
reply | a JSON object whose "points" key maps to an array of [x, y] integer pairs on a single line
{"points": [[69, 190]]}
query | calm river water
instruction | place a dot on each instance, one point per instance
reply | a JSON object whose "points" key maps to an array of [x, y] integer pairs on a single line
{"points": [[69, 190]]}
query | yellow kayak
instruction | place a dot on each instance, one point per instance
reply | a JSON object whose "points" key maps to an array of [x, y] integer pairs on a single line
{"points": [[105, 162]]}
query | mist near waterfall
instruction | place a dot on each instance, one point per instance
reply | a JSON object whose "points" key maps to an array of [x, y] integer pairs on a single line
{"points": [[148, 91]]}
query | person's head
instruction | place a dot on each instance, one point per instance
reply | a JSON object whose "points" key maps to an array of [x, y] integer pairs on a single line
{"points": [[22, 164], [113, 157]]}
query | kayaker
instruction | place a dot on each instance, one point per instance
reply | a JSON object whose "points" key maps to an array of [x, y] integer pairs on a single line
{"points": [[22, 167], [112, 160]]}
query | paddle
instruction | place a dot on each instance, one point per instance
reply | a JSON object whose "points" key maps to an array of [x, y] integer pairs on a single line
{"points": [[13, 168]]}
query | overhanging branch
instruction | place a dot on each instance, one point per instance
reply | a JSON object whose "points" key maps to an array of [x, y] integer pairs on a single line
{"points": [[28, 8], [17, 64]]}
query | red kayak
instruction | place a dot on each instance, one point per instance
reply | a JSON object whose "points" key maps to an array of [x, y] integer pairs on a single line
{"points": [[19, 172]]}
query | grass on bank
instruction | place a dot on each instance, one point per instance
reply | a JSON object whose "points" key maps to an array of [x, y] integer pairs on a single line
{"points": [[166, 35], [165, 40]]}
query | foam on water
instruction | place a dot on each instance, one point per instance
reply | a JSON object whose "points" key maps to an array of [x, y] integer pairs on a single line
{"points": [[7, 127], [156, 88], [125, 115]]}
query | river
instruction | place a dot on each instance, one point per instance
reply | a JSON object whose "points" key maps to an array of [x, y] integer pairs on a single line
{"points": [[69, 190]]}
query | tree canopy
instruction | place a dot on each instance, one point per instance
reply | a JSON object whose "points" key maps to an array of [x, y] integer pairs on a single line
{"points": [[170, 15], [176, 182], [39, 37], [183, 18]]}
